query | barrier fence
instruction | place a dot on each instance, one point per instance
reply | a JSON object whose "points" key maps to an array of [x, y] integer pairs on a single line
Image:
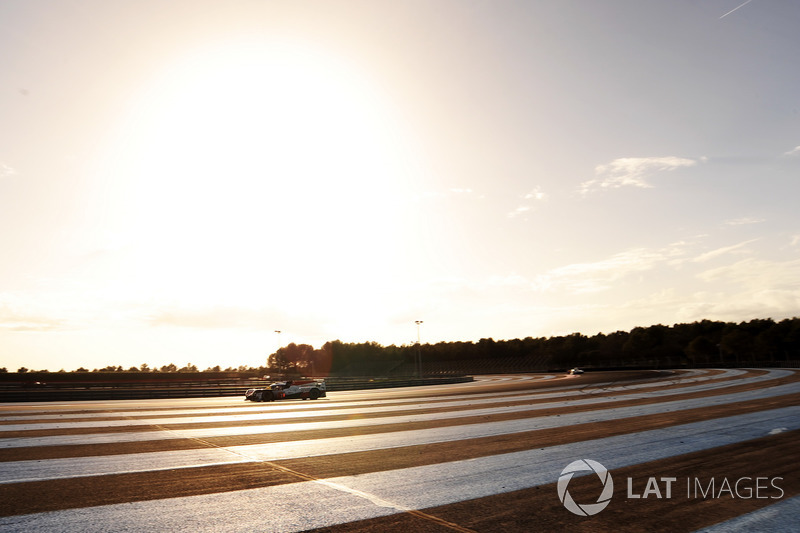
{"points": [[135, 390]]}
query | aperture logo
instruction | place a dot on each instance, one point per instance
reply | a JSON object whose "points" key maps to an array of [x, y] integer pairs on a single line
{"points": [[586, 509], [664, 487]]}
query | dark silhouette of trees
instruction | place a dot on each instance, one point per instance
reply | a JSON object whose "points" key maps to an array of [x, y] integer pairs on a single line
{"points": [[701, 351], [761, 342]]}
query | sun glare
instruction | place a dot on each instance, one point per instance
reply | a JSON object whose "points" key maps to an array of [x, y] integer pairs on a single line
{"points": [[265, 173]]}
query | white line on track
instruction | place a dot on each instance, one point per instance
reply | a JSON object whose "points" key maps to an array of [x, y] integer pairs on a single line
{"points": [[331, 410], [777, 518], [17, 471], [107, 438], [108, 410], [349, 498]]}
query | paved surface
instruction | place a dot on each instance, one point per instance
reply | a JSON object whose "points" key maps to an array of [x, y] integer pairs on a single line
{"points": [[691, 450]]}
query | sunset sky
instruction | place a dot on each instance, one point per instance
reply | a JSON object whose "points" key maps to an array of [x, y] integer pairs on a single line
{"points": [[180, 179]]}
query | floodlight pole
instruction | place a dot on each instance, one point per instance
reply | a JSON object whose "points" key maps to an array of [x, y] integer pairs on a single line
{"points": [[419, 350], [279, 343]]}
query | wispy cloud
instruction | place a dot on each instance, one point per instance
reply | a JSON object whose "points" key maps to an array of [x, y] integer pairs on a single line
{"points": [[794, 151], [702, 258], [519, 211], [632, 172], [757, 273], [536, 195], [215, 317], [744, 221], [12, 319], [735, 9], [601, 275], [244, 319], [6, 170]]}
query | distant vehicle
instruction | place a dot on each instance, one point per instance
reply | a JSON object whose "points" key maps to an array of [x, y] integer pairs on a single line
{"points": [[576, 371], [284, 390]]}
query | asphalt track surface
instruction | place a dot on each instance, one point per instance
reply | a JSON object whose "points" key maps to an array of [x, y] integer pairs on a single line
{"points": [[482, 456]]}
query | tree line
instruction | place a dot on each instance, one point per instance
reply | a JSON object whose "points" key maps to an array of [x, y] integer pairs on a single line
{"points": [[703, 343], [145, 368]]}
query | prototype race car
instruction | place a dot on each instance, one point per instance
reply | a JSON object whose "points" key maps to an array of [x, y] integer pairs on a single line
{"points": [[576, 372], [282, 390]]}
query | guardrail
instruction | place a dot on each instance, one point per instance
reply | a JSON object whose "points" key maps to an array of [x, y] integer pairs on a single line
{"points": [[128, 391]]}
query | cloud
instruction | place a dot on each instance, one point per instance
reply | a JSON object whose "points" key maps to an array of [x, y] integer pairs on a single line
{"points": [[31, 323], [756, 274], [579, 278], [744, 221], [214, 317], [721, 251], [6, 170], [535, 195], [313, 325], [632, 172], [11, 319], [735, 9], [521, 210], [795, 151], [735, 307], [755, 288]]}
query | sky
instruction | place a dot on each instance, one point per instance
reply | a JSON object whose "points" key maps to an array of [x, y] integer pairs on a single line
{"points": [[181, 180]]}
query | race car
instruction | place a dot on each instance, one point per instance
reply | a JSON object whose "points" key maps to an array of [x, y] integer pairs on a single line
{"points": [[282, 390], [576, 371]]}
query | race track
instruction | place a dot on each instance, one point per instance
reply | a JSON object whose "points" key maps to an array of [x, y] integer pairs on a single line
{"points": [[711, 450]]}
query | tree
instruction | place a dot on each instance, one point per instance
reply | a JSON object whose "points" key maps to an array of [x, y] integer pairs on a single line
{"points": [[22, 370], [278, 360], [110, 368], [701, 350], [736, 345], [3, 370], [169, 368], [144, 368]]}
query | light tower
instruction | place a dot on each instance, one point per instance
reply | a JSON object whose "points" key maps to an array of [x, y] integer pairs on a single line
{"points": [[419, 350], [278, 332]]}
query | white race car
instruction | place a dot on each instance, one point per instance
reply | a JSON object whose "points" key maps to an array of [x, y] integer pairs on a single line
{"points": [[576, 371], [282, 390]]}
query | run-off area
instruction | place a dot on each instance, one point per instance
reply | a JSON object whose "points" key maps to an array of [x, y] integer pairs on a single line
{"points": [[482, 456]]}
